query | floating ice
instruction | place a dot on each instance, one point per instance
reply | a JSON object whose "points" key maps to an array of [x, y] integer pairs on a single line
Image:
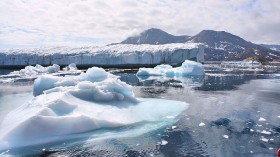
{"points": [[82, 104], [71, 67], [201, 124], [266, 132], [46, 82], [264, 139], [37, 69], [226, 136], [163, 142], [261, 119], [188, 68]]}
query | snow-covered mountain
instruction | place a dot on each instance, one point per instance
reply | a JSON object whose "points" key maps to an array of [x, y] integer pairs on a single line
{"points": [[221, 45], [118, 55], [156, 37]]}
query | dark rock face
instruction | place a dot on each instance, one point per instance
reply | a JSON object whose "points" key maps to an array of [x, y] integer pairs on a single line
{"points": [[221, 45], [155, 36]]}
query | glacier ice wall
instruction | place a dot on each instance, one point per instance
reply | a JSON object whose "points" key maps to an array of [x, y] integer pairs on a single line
{"points": [[111, 55]]}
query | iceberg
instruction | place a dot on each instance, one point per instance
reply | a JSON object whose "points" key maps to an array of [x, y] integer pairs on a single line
{"points": [[71, 67], [64, 107], [37, 69], [117, 55], [188, 68]]}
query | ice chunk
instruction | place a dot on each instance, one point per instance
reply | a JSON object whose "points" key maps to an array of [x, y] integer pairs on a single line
{"points": [[37, 69], [94, 102], [164, 142], [71, 67], [201, 124], [226, 136], [261, 119], [264, 139], [266, 132], [188, 68], [47, 82]]}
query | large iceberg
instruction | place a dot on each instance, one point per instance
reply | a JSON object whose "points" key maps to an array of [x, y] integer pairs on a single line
{"points": [[188, 68], [111, 55], [66, 107]]}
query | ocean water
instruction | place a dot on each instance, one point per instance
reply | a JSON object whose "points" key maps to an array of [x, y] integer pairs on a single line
{"points": [[231, 113]]}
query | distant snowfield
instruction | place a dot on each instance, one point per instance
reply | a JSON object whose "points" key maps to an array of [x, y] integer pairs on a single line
{"points": [[111, 55]]}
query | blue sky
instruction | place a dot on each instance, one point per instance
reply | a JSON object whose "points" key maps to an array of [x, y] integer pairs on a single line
{"points": [[33, 23]]}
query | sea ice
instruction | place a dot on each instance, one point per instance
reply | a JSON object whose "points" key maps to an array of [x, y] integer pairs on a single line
{"points": [[188, 68], [226, 136], [71, 67], [37, 69], [64, 107], [261, 119], [201, 124]]}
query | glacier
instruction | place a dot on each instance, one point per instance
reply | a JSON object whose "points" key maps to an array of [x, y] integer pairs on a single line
{"points": [[188, 68], [117, 55], [64, 107]]}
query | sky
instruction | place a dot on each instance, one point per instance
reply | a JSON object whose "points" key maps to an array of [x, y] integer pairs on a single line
{"points": [[34, 23]]}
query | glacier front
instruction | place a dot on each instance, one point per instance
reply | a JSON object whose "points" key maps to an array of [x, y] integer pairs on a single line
{"points": [[118, 55]]}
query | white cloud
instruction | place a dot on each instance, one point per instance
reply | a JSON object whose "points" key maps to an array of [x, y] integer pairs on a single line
{"points": [[114, 20]]}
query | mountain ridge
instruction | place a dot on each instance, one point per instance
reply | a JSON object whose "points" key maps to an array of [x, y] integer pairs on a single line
{"points": [[220, 45]]}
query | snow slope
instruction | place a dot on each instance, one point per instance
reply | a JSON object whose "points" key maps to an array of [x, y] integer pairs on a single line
{"points": [[111, 55]]}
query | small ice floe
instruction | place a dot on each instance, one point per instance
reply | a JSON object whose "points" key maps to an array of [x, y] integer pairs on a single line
{"points": [[251, 130], [174, 127], [163, 142], [262, 119], [270, 148], [137, 144], [251, 152], [259, 111], [170, 117], [264, 139], [278, 116], [201, 124], [226, 136], [271, 139], [266, 132]]}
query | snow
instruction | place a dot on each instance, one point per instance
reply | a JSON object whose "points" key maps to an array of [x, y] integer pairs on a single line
{"points": [[188, 68], [117, 54], [37, 69], [66, 107]]}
